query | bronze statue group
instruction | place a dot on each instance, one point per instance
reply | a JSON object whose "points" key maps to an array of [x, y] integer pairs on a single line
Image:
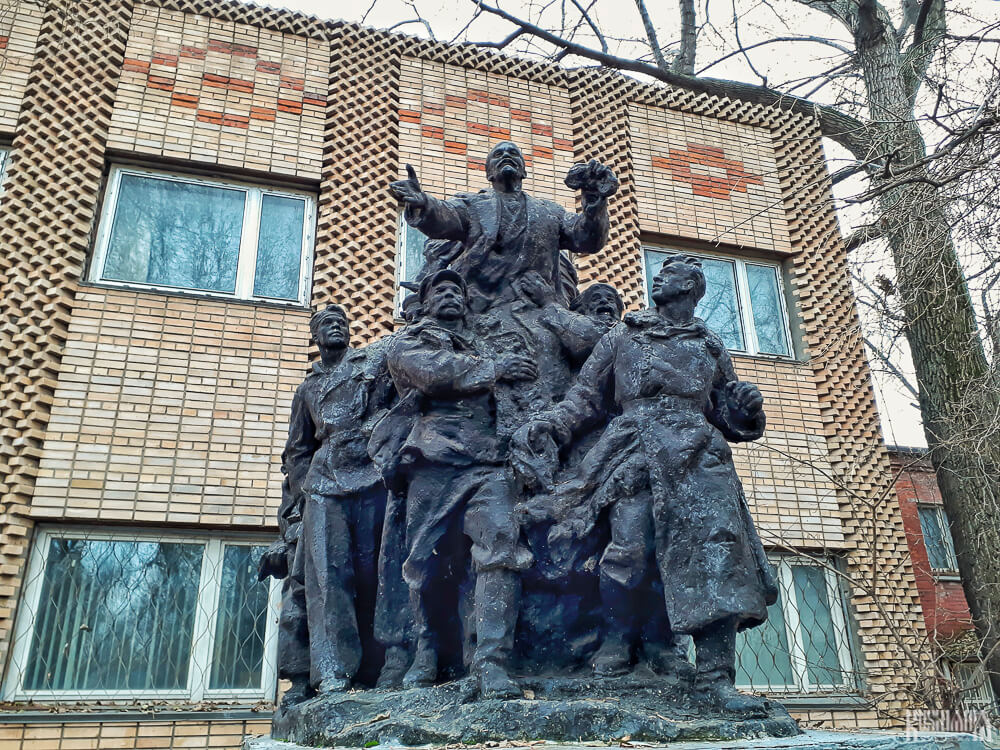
{"points": [[519, 480]]}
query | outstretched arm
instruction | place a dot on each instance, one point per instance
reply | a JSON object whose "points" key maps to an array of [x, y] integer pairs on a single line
{"points": [[436, 371], [440, 220]]}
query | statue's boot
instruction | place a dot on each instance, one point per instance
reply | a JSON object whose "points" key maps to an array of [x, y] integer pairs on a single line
{"points": [[333, 685], [668, 659], [497, 596], [715, 675], [614, 657], [394, 668], [424, 669], [298, 691]]}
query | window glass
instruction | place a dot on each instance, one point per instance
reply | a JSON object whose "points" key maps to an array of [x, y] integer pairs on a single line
{"points": [[413, 252], [279, 247], [115, 615], [239, 630], [818, 631], [175, 234], [937, 538], [762, 655], [4, 158], [768, 316]]}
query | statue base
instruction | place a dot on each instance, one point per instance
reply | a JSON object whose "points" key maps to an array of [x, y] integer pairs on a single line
{"points": [[564, 709]]}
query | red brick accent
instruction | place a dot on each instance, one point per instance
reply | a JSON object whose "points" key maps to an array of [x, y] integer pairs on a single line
{"points": [[477, 164], [945, 608], [433, 109], [316, 100], [266, 66], [194, 52], [238, 50], [159, 82], [207, 115], [408, 115], [3, 41], [450, 100], [262, 113], [520, 114], [235, 121], [538, 128], [561, 144], [139, 66], [162, 58], [432, 131], [290, 82], [478, 95], [542, 152], [184, 100], [454, 147], [223, 82], [290, 106], [678, 164], [488, 130]]}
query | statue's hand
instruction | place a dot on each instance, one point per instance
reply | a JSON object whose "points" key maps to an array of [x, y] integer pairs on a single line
{"points": [[408, 190], [534, 457], [515, 367], [745, 398], [274, 561], [534, 288], [596, 181]]}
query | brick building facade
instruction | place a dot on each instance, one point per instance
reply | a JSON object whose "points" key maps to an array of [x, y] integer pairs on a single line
{"points": [[143, 421]]}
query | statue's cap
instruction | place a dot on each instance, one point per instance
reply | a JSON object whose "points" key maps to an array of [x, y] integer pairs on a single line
{"points": [[432, 280]]}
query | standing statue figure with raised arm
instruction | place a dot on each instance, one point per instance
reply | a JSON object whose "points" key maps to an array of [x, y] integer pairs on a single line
{"points": [[502, 233], [664, 471]]}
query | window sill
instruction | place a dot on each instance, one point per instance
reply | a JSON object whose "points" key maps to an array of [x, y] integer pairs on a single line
{"points": [[831, 702], [296, 306], [946, 576], [104, 713], [768, 357]]}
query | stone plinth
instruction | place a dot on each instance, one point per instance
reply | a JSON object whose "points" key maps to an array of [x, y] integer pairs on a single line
{"points": [[648, 709]]}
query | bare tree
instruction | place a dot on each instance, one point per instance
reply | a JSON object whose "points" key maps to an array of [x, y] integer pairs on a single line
{"points": [[896, 79]]}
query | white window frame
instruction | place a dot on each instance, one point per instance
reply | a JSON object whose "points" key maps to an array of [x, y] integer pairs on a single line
{"points": [[976, 689], [206, 614], [402, 231], [947, 542], [743, 303], [246, 264], [802, 684]]}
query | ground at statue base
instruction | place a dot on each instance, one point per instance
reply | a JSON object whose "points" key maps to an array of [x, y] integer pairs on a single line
{"points": [[809, 740]]}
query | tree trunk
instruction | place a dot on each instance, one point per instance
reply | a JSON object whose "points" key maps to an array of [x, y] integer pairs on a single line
{"points": [[958, 404]]}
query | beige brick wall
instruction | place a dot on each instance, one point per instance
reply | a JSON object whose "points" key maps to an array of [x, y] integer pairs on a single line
{"points": [[145, 734], [19, 24], [171, 410], [708, 179], [450, 117], [209, 90]]}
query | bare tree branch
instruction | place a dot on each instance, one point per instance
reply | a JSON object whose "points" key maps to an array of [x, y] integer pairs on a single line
{"points": [[684, 61], [654, 43]]}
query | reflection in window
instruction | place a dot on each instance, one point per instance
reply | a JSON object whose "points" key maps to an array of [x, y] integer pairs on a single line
{"points": [[124, 616], [175, 234], [803, 645], [743, 302], [242, 619], [115, 615], [937, 537], [409, 258], [222, 238]]}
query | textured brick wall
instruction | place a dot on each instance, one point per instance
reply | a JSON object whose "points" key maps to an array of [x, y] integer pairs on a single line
{"points": [[213, 90], [708, 179], [146, 734], [19, 25], [943, 602], [171, 410]]}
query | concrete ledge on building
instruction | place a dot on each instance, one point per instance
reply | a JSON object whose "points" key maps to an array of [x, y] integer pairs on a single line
{"points": [[109, 716], [810, 740], [841, 702]]}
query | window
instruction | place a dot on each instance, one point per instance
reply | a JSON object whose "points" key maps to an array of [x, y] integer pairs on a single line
{"points": [[409, 258], [975, 690], [130, 616], [804, 645], [4, 158], [743, 302], [219, 238], [937, 538]]}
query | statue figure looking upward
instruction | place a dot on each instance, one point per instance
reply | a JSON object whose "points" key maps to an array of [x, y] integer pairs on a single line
{"points": [[664, 472], [503, 233]]}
